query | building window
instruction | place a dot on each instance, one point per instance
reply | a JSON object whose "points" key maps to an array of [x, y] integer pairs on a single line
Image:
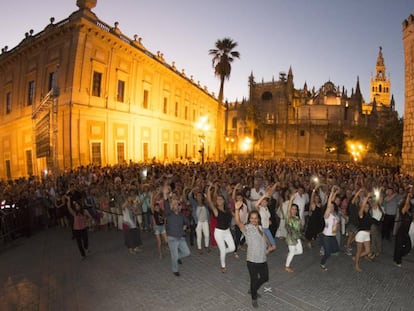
{"points": [[302, 133], [120, 152], [96, 153], [176, 109], [8, 102], [186, 113], [165, 107], [176, 151], [145, 150], [96, 84], [8, 169], [120, 91], [29, 162], [30, 93], [51, 82], [234, 123], [165, 151], [145, 103]]}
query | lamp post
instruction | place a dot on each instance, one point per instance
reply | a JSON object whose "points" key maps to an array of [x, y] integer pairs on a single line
{"points": [[203, 126]]}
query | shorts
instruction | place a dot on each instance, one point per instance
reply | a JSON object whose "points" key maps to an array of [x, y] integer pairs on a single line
{"points": [[362, 236], [159, 229]]}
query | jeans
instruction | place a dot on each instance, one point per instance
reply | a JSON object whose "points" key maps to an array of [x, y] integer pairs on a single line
{"points": [[146, 221], [178, 249], [259, 274], [330, 246]]}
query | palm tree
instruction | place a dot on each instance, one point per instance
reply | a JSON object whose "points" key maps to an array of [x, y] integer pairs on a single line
{"points": [[223, 56]]}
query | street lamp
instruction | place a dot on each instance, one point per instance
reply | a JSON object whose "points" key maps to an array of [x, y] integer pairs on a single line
{"points": [[203, 126]]}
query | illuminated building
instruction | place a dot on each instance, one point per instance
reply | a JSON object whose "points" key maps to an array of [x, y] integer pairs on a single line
{"points": [[81, 92], [408, 135], [290, 122]]}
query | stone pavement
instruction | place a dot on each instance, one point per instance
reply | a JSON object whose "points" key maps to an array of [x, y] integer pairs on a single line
{"points": [[45, 272]]}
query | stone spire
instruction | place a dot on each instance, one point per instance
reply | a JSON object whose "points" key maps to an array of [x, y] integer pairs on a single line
{"points": [[86, 4]]}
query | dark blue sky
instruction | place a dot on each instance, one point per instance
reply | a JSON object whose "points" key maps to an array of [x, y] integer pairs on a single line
{"points": [[322, 40]]}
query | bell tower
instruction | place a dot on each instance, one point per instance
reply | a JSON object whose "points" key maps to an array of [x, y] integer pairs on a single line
{"points": [[380, 84]]}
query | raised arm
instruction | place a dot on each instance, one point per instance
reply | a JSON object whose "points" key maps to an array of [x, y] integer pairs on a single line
{"points": [[406, 206], [363, 205], [354, 199], [330, 206], [210, 201], [239, 223], [292, 197], [312, 204]]}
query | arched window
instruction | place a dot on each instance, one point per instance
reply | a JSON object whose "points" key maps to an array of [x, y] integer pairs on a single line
{"points": [[380, 88]]}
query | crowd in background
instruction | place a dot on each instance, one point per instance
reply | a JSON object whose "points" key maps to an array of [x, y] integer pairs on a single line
{"points": [[131, 196]]}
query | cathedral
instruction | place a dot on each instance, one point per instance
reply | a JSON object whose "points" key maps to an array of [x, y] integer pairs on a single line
{"points": [[295, 122], [81, 92]]}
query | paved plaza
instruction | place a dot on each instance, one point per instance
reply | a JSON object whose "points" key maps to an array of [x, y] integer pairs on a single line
{"points": [[45, 272]]}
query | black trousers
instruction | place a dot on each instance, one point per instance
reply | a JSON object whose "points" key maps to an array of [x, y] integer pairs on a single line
{"points": [[259, 274], [81, 237], [388, 226]]}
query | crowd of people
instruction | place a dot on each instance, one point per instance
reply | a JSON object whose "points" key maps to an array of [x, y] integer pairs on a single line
{"points": [[334, 206]]}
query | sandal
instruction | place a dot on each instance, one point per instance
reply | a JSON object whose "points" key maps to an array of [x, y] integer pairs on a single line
{"points": [[288, 269], [223, 270]]}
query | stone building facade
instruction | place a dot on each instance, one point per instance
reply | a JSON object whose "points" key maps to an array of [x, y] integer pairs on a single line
{"points": [[81, 92], [408, 136], [295, 122]]}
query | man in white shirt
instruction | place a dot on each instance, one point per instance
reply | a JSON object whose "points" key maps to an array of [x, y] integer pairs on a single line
{"points": [[301, 200]]}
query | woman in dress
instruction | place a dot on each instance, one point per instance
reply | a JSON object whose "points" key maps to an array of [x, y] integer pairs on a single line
{"points": [[282, 212], [132, 235], [316, 222], [222, 233]]}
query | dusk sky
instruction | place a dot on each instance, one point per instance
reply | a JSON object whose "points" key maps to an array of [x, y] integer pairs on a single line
{"points": [[321, 40]]}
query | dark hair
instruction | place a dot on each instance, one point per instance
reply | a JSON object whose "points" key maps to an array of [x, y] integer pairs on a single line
{"points": [[258, 216]]}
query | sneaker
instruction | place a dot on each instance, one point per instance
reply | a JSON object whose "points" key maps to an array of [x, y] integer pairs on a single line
{"points": [[176, 273], [223, 270], [398, 265], [324, 268], [254, 303]]}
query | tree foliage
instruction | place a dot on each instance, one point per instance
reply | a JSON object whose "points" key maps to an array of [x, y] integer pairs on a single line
{"points": [[223, 55]]}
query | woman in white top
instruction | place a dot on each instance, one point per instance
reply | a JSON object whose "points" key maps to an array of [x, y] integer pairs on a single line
{"points": [[328, 238], [261, 206]]}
